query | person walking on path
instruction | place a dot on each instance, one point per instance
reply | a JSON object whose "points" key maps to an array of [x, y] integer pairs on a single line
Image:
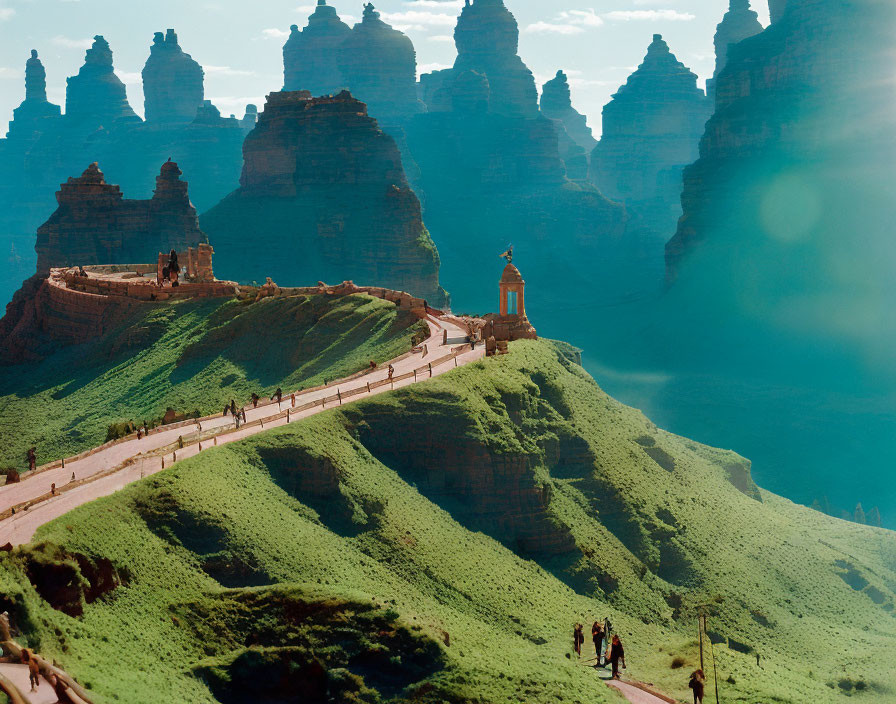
{"points": [[617, 653], [597, 635], [255, 398], [391, 372], [232, 407], [698, 683], [33, 671], [578, 637], [293, 399], [278, 394], [32, 458]]}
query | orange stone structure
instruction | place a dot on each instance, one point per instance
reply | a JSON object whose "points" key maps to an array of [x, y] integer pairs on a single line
{"points": [[511, 322]]}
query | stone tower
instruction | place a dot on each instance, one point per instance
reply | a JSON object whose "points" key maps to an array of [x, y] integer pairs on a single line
{"points": [[172, 82], [739, 23], [35, 112], [379, 66], [96, 97], [309, 55]]}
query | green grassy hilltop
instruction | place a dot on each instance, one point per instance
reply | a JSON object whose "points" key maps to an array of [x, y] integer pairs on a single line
{"points": [[437, 543], [192, 356]]}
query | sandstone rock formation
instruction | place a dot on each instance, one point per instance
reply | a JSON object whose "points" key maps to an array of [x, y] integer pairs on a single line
{"points": [[487, 40], [576, 140], [378, 64], [95, 225], [96, 97], [651, 131], [172, 82], [323, 195], [310, 55], [739, 23], [36, 113]]}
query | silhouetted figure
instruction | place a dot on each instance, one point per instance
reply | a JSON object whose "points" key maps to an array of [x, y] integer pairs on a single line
{"points": [[232, 407], [391, 372], [292, 398], [278, 394], [697, 683], [32, 458], [243, 414], [255, 398], [578, 637], [53, 488], [139, 433], [597, 635], [617, 654], [226, 410], [33, 674], [173, 268], [372, 365]]}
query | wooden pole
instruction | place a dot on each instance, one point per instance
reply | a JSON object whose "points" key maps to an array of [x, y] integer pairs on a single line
{"points": [[700, 628]]}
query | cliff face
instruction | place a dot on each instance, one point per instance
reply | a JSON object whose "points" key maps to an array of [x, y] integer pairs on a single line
{"points": [[651, 131], [575, 138], [776, 9], [95, 225], [96, 97], [172, 82], [739, 23], [323, 195], [310, 55]]}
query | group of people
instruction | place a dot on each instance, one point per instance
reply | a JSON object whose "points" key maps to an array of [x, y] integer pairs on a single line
{"points": [[607, 649], [171, 271]]}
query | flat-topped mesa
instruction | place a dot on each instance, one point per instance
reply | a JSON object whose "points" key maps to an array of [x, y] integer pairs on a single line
{"points": [[94, 224], [172, 82], [487, 40], [323, 196], [310, 54], [651, 131], [739, 23], [35, 113], [96, 96], [379, 66], [574, 136]]}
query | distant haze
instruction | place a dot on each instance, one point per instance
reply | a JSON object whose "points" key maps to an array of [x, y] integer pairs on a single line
{"points": [[239, 43]]}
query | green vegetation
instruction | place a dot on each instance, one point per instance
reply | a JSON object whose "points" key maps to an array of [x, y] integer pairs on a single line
{"points": [[192, 356], [436, 544]]}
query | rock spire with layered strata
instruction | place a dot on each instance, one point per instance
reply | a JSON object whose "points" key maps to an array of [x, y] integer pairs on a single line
{"points": [[172, 82], [310, 60], [96, 97], [739, 23]]}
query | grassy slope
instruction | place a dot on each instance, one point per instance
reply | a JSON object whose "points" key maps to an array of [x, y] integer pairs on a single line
{"points": [[191, 355], [776, 576]]}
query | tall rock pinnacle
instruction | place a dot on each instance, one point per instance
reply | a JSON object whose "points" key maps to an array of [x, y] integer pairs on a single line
{"points": [[574, 135], [35, 112], [310, 54], [651, 131], [96, 96], [487, 40], [379, 65], [738, 23], [172, 82]]}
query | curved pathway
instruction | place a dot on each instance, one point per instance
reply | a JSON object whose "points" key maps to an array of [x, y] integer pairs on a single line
{"points": [[113, 467], [636, 695]]}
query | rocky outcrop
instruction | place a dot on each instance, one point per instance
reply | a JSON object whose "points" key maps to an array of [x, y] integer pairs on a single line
{"points": [[35, 114], [94, 224], [379, 66], [96, 97], [651, 131], [323, 196], [739, 23], [310, 55], [172, 82], [487, 40], [576, 141]]}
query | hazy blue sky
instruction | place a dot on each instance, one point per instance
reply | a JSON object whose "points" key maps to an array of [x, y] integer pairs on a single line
{"points": [[597, 43]]}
